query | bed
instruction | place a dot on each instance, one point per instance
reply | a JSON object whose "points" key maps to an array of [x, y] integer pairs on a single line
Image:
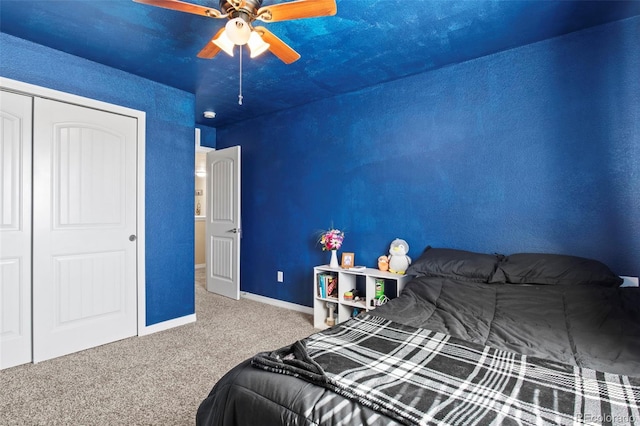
{"points": [[473, 338]]}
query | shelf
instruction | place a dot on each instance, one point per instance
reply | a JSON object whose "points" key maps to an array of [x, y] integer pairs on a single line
{"points": [[328, 299], [357, 304], [362, 280]]}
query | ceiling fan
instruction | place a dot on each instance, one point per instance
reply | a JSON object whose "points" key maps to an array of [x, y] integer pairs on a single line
{"points": [[241, 15]]}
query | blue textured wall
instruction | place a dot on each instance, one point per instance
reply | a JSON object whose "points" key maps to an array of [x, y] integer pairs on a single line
{"points": [[532, 149], [169, 160], [207, 136]]}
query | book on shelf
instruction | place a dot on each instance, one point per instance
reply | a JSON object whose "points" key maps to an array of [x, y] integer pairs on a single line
{"points": [[332, 286], [321, 285], [327, 286]]}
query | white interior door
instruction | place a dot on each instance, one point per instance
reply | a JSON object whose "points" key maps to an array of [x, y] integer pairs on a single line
{"points": [[223, 230], [15, 229], [84, 226]]}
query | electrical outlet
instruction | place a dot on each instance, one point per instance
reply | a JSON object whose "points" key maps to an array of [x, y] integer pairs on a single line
{"points": [[280, 276]]}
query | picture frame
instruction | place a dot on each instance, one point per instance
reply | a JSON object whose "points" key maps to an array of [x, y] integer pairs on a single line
{"points": [[348, 260]]}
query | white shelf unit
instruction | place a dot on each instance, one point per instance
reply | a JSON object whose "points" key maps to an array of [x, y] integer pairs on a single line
{"points": [[363, 280]]}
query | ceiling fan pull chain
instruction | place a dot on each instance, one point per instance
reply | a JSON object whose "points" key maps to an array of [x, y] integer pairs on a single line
{"points": [[240, 93]]}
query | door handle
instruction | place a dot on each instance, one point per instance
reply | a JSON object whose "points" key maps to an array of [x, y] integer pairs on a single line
{"points": [[132, 237], [234, 230]]}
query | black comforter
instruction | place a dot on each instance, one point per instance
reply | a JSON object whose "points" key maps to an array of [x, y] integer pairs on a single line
{"points": [[588, 326]]}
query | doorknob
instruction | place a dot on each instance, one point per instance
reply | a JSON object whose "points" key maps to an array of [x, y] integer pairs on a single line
{"points": [[234, 230], [132, 237]]}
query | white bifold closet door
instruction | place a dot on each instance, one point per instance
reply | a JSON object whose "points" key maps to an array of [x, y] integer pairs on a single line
{"points": [[84, 228], [15, 229]]}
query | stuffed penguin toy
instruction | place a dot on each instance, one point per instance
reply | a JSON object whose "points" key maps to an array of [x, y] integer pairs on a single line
{"points": [[398, 259]]}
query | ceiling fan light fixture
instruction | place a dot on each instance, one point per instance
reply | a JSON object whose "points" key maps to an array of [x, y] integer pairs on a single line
{"points": [[257, 45], [238, 31], [224, 43]]}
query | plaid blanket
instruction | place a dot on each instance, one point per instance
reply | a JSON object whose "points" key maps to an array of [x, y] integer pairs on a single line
{"points": [[418, 376]]}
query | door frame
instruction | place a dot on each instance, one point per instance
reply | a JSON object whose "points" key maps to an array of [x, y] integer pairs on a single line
{"points": [[140, 116], [201, 150]]}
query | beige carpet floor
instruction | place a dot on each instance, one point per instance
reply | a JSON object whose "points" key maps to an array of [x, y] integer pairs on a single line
{"points": [[158, 379]]}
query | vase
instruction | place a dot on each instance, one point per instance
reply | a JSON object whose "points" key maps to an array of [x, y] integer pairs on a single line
{"points": [[334, 259]]}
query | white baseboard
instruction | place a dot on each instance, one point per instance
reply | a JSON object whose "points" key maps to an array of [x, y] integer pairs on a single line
{"points": [[166, 325], [201, 265], [276, 302]]}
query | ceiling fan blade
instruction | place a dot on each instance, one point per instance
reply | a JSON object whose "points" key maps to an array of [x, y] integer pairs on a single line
{"points": [[277, 46], [184, 7], [297, 10], [211, 49]]}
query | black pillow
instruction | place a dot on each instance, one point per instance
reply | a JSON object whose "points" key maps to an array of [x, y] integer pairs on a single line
{"points": [[457, 264], [555, 269]]}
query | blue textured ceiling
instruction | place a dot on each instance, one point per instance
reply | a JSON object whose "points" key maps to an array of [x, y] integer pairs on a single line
{"points": [[366, 43]]}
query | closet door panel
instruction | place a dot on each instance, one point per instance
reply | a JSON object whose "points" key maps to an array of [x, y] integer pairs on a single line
{"points": [[15, 229], [84, 215]]}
